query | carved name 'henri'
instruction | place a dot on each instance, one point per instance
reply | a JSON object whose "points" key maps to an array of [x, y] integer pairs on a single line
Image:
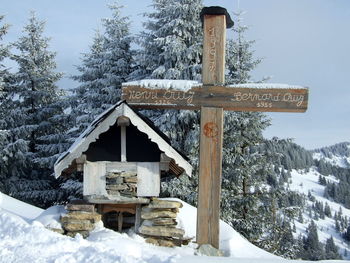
{"points": [[298, 99], [164, 98]]}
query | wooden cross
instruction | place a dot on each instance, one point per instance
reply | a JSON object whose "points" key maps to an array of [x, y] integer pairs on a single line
{"points": [[212, 98]]}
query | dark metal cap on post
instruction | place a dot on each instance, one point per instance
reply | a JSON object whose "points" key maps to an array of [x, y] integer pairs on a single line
{"points": [[217, 10]]}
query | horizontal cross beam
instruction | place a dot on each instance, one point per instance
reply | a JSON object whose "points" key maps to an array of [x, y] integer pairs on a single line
{"points": [[228, 98]]}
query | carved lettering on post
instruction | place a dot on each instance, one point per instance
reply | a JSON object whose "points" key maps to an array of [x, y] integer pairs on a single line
{"points": [[229, 98]]}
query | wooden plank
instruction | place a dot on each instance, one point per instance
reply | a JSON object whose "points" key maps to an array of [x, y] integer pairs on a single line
{"points": [[208, 212], [94, 179], [213, 71], [123, 143], [148, 179], [229, 98], [118, 167]]}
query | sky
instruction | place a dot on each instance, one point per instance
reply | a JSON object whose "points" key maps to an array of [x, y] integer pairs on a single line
{"points": [[302, 43]]}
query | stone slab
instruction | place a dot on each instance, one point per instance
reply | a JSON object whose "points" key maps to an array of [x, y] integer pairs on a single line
{"points": [[158, 214], [117, 180], [163, 221], [78, 225], [157, 203], [92, 217], [81, 207], [132, 179], [161, 231], [117, 187]]}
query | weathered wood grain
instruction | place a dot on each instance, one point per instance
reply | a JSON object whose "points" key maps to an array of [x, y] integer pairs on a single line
{"points": [[210, 176], [213, 71], [235, 99]]}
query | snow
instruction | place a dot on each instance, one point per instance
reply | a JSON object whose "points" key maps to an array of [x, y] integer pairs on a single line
{"points": [[336, 160], [51, 216], [186, 85], [16, 207], [183, 85], [266, 86], [232, 243], [30, 241], [304, 182]]}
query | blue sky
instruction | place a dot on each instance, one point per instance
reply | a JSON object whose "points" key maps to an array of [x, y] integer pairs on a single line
{"points": [[302, 42]]}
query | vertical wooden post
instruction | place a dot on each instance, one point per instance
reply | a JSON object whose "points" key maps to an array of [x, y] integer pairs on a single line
{"points": [[213, 71], [120, 221], [123, 143], [123, 122], [208, 214], [137, 218], [210, 162]]}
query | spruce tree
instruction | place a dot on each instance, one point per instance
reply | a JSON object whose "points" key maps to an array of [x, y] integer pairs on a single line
{"points": [[4, 53], [331, 250], [32, 122], [5, 107], [172, 42], [171, 48], [103, 70], [312, 248], [244, 167], [87, 93]]}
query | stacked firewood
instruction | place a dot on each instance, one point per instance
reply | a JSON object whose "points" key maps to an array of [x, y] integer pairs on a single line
{"points": [[121, 184], [159, 225]]}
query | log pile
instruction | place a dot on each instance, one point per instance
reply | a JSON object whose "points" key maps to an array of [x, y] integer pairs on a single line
{"points": [[81, 218], [159, 225], [121, 184]]}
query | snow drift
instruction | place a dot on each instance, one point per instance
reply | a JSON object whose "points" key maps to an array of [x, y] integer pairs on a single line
{"points": [[23, 238]]}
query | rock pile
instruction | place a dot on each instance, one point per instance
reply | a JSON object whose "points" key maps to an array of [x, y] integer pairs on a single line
{"points": [[81, 218], [159, 224], [121, 184]]}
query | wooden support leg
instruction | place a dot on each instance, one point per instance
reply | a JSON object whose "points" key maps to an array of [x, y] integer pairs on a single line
{"points": [[120, 221], [137, 218]]}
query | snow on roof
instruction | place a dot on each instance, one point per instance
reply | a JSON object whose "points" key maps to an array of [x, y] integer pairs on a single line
{"points": [[103, 122], [183, 85], [266, 86]]}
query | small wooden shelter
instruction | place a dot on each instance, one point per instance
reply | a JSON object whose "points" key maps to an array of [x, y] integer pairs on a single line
{"points": [[122, 156]]}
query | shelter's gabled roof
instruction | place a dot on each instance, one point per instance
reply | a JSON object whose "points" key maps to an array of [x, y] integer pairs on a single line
{"points": [[108, 118]]}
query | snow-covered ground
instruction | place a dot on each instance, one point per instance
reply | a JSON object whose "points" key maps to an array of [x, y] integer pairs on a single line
{"points": [[23, 238], [304, 182], [336, 160]]}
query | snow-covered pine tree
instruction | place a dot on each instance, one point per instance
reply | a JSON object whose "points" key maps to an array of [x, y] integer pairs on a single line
{"points": [[331, 250], [312, 248], [83, 98], [13, 147], [4, 53], [103, 70], [172, 44], [32, 120], [244, 167], [171, 48], [5, 106]]}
